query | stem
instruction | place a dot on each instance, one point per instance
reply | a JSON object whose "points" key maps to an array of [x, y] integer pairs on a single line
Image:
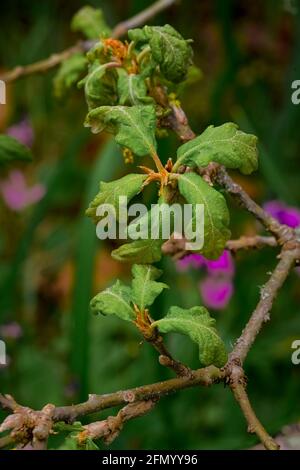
{"points": [[254, 425], [262, 312]]}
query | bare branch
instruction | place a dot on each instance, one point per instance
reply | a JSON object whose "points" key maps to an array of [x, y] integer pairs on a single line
{"points": [[261, 313], [206, 376], [238, 388], [111, 427]]}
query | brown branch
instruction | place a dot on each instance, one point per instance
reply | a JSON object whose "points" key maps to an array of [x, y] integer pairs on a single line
{"points": [[254, 242], [238, 387], [282, 233], [83, 46], [176, 247], [206, 376], [111, 427], [142, 17], [261, 313]]}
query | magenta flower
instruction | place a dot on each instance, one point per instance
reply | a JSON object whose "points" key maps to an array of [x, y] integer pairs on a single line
{"points": [[222, 265], [11, 330], [284, 214], [193, 260], [217, 288], [23, 132], [16, 194], [216, 291]]}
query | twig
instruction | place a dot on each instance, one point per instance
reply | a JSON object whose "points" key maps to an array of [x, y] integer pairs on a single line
{"points": [[261, 313], [282, 233], [142, 17], [176, 247], [83, 46], [206, 376], [110, 428], [246, 243], [254, 425]]}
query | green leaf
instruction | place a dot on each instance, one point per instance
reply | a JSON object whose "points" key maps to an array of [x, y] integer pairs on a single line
{"points": [[216, 216], [169, 50], [114, 300], [90, 21], [69, 74], [11, 149], [109, 193], [100, 86], [134, 126], [200, 327], [132, 89], [145, 288], [223, 144], [140, 251]]}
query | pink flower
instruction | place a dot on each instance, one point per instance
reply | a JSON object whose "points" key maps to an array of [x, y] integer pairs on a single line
{"points": [[284, 214], [17, 194], [222, 265], [193, 260], [11, 330], [216, 292], [22, 131], [217, 287]]}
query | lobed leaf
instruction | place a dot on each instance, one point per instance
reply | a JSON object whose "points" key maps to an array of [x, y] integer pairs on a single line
{"points": [[115, 300], [200, 327], [109, 193], [216, 216], [169, 50], [132, 89], [145, 288], [99, 86], [133, 126], [139, 251], [90, 21], [69, 74], [223, 144]]}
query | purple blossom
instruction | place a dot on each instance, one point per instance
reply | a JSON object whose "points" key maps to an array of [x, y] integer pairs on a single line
{"points": [[22, 131], [11, 330], [284, 214], [216, 291], [217, 287], [17, 194], [193, 260], [222, 265]]}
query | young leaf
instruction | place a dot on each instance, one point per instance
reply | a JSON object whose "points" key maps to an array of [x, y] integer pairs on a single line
{"points": [[109, 193], [90, 21], [145, 288], [132, 89], [114, 300], [134, 126], [139, 251], [69, 74], [11, 149], [169, 50], [223, 144], [100, 86], [216, 216], [200, 327]]}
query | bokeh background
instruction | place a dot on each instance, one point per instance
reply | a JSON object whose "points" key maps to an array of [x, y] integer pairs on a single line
{"points": [[51, 262]]}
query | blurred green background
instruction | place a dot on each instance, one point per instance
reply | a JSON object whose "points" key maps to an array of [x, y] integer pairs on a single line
{"points": [[52, 263]]}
